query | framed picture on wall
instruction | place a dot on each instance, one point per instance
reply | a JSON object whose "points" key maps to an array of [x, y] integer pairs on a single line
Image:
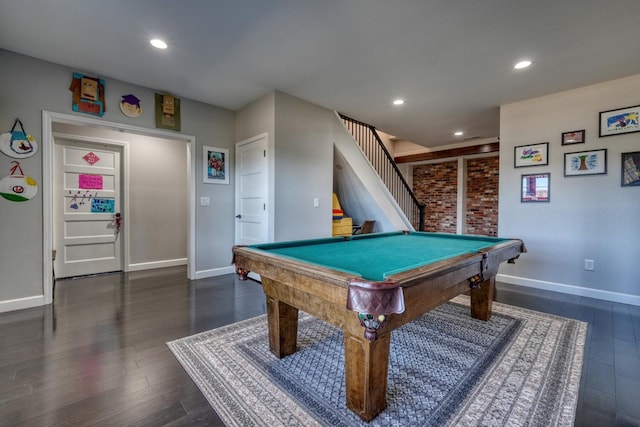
{"points": [[215, 167], [167, 111], [535, 188], [620, 121], [573, 137], [631, 169], [592, 162], [531, 155]]}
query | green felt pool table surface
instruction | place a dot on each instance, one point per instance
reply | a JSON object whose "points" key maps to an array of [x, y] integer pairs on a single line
{"points": [[377, 256]]}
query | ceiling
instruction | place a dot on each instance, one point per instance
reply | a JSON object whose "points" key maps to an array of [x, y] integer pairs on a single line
{"points": [[451, 60]]}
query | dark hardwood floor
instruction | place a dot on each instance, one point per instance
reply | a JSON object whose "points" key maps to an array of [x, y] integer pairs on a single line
{"points": [[98, 354]]}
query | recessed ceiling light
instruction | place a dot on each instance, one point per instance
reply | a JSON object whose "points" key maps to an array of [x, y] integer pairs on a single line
{"points": [[157, 43], [458, 133], [522, 64], [398, 101]]}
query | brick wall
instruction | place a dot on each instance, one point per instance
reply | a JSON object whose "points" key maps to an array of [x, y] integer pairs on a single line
{"points": [[482, 196], [436, 186]]}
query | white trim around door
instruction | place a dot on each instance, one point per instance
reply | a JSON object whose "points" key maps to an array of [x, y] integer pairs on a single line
{"points": [[48, 119], [123, 189]]}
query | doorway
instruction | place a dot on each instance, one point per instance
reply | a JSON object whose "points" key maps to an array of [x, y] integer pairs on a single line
{"points": [[87, 202], [49, 119]]}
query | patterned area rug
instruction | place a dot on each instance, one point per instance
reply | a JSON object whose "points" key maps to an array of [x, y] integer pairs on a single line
{"points": [[446, 369]]}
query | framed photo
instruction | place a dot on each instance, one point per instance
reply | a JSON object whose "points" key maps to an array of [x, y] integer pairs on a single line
{"points": [[631, 169], [535, 188], [532, 155], [592, 162], [215, 165], [573, 137], [620, 121]]}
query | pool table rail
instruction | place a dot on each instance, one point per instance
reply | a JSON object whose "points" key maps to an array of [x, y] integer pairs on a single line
{"points": [[435, 284]]}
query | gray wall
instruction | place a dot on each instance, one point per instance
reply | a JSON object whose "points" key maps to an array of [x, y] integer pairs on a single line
{"points": [[256, 118], [301, 141], [30, 86], [303, 166], [589, 217]]}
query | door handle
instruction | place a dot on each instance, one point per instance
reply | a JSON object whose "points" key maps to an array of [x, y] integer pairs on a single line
{"points": [[238, 216], [117, 223]]}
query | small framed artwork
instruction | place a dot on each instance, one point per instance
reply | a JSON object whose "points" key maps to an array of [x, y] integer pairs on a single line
{"points": [[167, 112], [592, 162], [631, 169], [619, 121], [535, 188], [573, 137], [215, 165], [531, 155], [88, 94]]}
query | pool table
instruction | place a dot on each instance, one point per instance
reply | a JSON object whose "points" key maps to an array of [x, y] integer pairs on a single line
{"points": [[368, 285]]}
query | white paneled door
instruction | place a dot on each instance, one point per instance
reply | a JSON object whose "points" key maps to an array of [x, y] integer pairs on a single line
{"points": [[87, 208], [252, 215]]}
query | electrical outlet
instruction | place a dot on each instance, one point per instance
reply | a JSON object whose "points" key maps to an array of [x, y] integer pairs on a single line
{"points": [[316, 202], [589, 265], [205, 201]]}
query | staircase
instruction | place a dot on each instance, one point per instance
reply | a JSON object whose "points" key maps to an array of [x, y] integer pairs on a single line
{"points": [[373, 148]]}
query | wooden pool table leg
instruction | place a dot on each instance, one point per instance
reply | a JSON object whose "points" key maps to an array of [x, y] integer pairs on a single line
{"points": [[283, 327], [482, 298], [366, 365]]}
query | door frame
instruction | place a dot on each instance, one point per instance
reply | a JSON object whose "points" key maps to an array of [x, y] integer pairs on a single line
{"points": [[270, 184], [48, 118], [124, 186]]}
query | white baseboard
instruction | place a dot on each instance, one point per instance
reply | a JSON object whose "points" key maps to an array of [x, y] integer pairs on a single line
{"points": [[215, 272], [21, 303], [157, 264], [571, 289]]}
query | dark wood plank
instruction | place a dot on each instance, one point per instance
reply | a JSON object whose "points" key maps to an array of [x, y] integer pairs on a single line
{"points": [[98, 354], [492, 147]]}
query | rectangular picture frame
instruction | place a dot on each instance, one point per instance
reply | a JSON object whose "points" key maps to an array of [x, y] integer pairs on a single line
{"points": [[215, 165], [167, 111], [531, 155], [620, 121], [535, 188], [631, 169], [591, 162], [573, 137]]}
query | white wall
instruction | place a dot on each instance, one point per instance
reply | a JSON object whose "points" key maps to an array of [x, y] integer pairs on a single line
{"points": [[588, 217], [30, 86]]}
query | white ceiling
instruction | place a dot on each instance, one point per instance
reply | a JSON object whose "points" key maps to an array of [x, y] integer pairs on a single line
{"points": [[451, 60]]}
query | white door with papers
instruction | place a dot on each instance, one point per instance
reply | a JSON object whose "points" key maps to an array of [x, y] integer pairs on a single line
{"points": [[87, 208]]}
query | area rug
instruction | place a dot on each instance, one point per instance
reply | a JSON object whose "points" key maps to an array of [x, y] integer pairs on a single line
{"points": [[446, 369]]}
